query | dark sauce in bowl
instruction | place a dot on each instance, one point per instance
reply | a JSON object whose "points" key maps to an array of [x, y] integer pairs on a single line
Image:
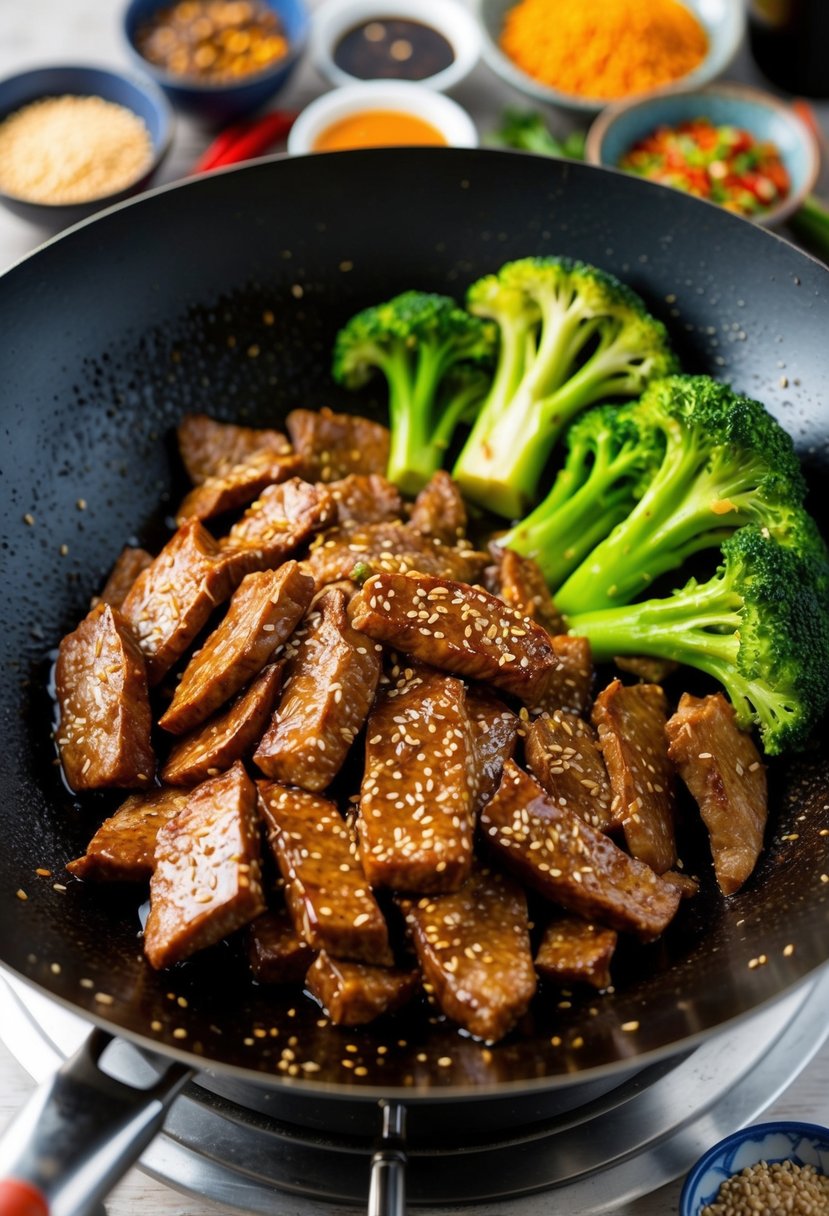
{"points": [[393, 48]]}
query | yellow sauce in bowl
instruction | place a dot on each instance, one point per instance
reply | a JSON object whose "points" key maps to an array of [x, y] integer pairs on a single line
{"points": [[377, 129]]}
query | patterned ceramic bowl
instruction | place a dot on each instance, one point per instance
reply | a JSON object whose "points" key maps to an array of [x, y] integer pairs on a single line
{"points": [[803, 1143]]}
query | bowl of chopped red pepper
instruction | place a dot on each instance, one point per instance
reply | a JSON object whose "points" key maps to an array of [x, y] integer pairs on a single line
{"points": [[737, 147]]}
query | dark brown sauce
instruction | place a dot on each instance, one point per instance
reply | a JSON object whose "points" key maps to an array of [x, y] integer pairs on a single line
{"points": [[393, 48]]}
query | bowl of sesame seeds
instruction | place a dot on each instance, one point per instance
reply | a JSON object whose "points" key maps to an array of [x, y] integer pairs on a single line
{"points": [[75, 139], [769, 1167]]}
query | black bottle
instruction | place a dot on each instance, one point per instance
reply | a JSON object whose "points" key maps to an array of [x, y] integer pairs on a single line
{"points": [[789, 40]]}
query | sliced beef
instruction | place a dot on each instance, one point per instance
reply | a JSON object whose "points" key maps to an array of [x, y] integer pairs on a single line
{"points": [[417, 801], [171, 601], [330, 685], [570, 863], [458, 628], [326, 890], [574, 951], [238, 486], [103, 735], [631, 724], [494, 734], [390, 547], [474, 950], [123, 848], [262, 614], [570, 685], [128, 565], [334, 445], [211, 449], [229, 736], [686, 884], [723, 770], [519, 582], [206, 882], [353, 993], [645, 668], [439, 510], [366, 499], [276, 952], [281, 519], [564, 757]]}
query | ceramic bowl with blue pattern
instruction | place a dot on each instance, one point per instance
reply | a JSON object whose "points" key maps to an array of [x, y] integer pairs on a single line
{"points": [[803, 1143], [764, 116]]}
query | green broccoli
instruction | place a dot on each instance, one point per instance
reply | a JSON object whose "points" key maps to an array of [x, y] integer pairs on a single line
{"points": [[727, 462], [760, 626], [436, 358], [610, 460], [571, 336], [527, 131]]}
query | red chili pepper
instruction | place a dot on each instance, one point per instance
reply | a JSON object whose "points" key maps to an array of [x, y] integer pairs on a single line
{"points": [[245, 140]]}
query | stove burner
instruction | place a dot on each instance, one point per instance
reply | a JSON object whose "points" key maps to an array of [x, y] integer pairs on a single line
{"points": [[239, 1143]]}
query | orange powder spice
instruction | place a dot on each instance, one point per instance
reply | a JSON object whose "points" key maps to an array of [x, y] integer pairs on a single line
{"points": [[603, 48]]}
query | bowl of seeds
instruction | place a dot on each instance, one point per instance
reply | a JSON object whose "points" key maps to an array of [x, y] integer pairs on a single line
{"points": [[75, 139], [769, 1167]]}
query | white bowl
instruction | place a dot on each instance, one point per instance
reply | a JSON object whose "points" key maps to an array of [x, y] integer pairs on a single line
{"points": [[419, 100], [450, 18]]}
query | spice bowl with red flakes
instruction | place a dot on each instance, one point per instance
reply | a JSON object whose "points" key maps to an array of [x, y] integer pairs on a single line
{"points": [[217, 60], [735, 146]]}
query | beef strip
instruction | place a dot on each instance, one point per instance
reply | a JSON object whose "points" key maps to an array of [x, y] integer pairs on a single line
{"points": [[574, 951], [519, 582], [206, 882], [281, 519], [391, 547], [572, 864], [645, 668], [571, 683], [172, 599], [353, 993], [262, 614], [458, 628], [723, 770], [210, 449], [123, 848], [276, 953], [238, 486], [128, 565], [366, 499], [474, 950], [439, 510], [334, 445], [564, 757], [416, 817], [686, 884], [631, 724], [494, 735], [103, 735], [326, 890], [329, 687], [229, 736]]}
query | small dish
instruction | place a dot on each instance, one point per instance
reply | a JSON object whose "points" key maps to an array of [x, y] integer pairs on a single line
{"points": [[803, 1143], [764, 116], [399, 96], [140, 96], [724, 23], [335, 18], [221, 102]]}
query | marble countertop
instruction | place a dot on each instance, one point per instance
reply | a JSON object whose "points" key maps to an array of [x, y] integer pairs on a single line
{"points": [[49, 31]]}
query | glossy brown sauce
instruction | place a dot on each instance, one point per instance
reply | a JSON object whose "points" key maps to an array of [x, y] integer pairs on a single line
{"points": [[393, 48]]}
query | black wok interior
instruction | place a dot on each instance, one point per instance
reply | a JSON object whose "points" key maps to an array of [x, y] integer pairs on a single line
{"points": [[223, 295]]}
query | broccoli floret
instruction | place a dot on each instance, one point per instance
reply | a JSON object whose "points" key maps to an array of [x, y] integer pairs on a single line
{"points": [[527, 131], [571, 336], [760, 626], [727, 462], [610, 460], [436, 358]]}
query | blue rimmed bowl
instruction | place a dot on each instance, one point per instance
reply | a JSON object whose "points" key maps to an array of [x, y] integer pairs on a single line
{"points": [[766, 117], [79, 80], [803, 1143], [221, 102]]}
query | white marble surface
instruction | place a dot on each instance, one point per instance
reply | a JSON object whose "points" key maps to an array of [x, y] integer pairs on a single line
{"points": [[35, 32]]}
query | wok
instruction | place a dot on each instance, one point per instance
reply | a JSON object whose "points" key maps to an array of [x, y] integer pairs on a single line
{"points": [[224, 294]]}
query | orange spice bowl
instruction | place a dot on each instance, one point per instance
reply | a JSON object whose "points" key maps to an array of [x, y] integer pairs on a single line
{"points": [[723, 22]]}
